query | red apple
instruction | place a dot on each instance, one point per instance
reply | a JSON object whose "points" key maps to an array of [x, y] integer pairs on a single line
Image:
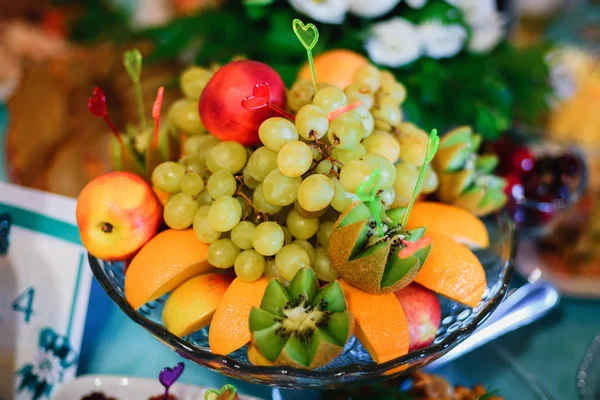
{"points": [[423, 312], [221, 108], [117, 213]]}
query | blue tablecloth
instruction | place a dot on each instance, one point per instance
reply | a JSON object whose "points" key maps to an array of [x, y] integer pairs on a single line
{"points": [[545, 354]]}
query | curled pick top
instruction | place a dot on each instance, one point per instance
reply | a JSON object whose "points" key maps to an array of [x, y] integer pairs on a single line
{"points": [[308, 35], [132, 60]]}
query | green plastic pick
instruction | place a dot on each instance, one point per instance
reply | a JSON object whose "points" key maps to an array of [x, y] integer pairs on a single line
{"points": [[132, 60], [432, 147], [308, 35], [367, 193]]}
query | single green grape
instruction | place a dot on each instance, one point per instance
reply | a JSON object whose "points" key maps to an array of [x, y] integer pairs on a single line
{"points": [[385, 167], [277, 131], [241, 234], [330, 98], [300, 227], [261, 203], [384, 144], [322, 266], [249, 265], [324, 167], [193, 81], [388, 113], [312, 121], [179, 211], [224, 214], [279, 189], [342, 199], [359, 92], [367, 120], [222, 253], [391, 92], [300, 94], [272, 272], [368, 75], [413, 145], [261, 162], [204, 199], [199, 146], [204, 232], [324, 232], [346, 155], [192, 184], [347, 129], [228, 156], [167, 176], [267, 238], [287, 236], [294, 159], [193, 164], [354, 174], [307, 247], [184, 115], [220, 184], [430, 180], [404, 186], [249, 181], [291, 259], [315, 193]]}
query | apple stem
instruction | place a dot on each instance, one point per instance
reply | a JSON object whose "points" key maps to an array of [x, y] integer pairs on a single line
{"points": [[106, 227], [156, 107], [281, 111], [336, 113]]}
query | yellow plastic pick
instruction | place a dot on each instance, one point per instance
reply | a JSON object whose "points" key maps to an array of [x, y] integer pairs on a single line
{"points": [[432, 147], [308, 35], [132, 60]]}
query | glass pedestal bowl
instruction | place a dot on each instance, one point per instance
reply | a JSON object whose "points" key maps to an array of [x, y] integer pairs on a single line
{"points": [[354, 365]]}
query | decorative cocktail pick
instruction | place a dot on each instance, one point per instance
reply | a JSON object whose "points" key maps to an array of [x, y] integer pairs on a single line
{"points": [[168, 376], [337, 112], [308, 35], [4, 231], [412, 247], [97, 106], [132, 60], [156, 114], [367, 193], [261, 97], [227, 392]]}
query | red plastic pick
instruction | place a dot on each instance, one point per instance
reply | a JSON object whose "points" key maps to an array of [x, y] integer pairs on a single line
{"points": [[336, 113], [156, 113], [97, 106], [261, 97], [412, 247]]}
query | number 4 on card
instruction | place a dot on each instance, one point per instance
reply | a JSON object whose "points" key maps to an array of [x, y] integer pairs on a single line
{"points": [[24, 303]]}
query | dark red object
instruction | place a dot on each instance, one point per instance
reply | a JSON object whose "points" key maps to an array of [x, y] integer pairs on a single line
{"points": [[220, 105], [261, 97], [97, 106], [522, 160], [423, 314]]}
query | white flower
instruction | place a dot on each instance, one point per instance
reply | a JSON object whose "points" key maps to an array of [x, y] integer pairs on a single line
{"points": [[328, 11], [476, 11], [485, 37], [372, 8], [150, 13], [441, 40], [46, 367], [394, 43], [416, 3]]}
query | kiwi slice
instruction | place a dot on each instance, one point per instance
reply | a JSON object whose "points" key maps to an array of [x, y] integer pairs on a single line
{"points": [[369, 260], [301, 326]]}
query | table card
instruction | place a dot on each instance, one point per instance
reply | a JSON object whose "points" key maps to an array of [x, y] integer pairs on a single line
{"points": [[44, 289]]}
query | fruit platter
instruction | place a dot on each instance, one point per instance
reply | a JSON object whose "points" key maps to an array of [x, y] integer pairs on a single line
{"points": [[304, 237]]}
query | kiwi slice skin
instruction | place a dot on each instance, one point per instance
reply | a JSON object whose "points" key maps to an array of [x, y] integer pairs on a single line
{"points": [[300, 326], [375, 269]]}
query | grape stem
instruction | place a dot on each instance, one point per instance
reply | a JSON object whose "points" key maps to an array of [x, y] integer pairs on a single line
{"points": [[325, 152], [243, 195]]}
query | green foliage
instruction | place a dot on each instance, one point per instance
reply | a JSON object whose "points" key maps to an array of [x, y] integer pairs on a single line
{"points": [[487, 91]]}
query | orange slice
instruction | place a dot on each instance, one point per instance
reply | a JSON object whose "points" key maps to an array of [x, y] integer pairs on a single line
{"points": [[192, 305], [162, 196], [455, 222], [453, 271], [335, 67], [229, 329], [381, 325], [165, 262]]}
